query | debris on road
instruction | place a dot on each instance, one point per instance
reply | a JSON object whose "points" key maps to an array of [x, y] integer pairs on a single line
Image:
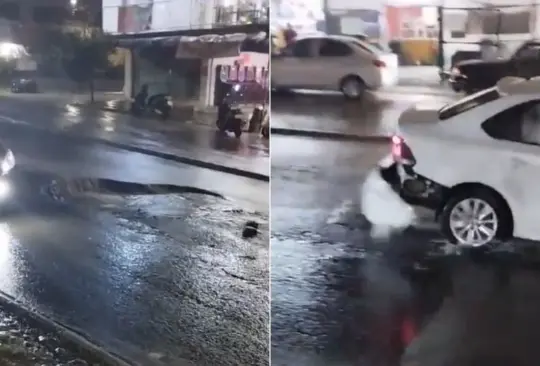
{"points": [[251, 229]]}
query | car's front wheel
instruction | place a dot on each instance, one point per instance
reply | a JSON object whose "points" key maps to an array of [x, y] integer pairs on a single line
{"points": [[353, 87], [476, 218]]}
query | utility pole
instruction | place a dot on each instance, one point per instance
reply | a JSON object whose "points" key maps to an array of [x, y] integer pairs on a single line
{"points": [[440, 43]]}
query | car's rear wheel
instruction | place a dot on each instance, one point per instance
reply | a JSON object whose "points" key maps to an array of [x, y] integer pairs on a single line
{"points": [[475, 218], [353, 87]]}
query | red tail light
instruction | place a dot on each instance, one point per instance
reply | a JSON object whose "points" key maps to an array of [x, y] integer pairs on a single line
{"points": [[401, 152], [408, 332], [379, 63]]}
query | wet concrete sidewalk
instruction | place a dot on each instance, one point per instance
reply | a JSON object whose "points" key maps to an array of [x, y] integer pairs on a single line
{"points": [[181, 113]]}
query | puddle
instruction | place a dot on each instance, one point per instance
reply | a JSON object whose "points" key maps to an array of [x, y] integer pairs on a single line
{"points": [[60, 190]]}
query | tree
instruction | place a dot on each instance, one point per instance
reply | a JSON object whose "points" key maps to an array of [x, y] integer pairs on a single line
{"points": [[83, 52]]}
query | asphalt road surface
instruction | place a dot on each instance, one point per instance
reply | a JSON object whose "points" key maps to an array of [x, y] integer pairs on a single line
{"points": [[157, 278], [341, 297]]}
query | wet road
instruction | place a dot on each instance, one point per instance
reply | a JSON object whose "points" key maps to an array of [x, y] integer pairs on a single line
{"points": [[165, 278], [249, 153], [375, 115], [335, 301], [339, 297]]}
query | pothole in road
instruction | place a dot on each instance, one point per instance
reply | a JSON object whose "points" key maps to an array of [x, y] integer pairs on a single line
{"points": [[60, 189]]}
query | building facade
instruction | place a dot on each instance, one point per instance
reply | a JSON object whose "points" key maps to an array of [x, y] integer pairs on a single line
{"points": [[179, 47]]}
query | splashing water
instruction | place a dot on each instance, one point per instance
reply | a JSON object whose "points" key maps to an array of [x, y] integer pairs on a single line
{"points": [[383, 207]]}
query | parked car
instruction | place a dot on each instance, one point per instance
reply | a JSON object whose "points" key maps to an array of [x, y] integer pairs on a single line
{"points": [[335, 63], [474, 162], [24, 85], [473, 75]]}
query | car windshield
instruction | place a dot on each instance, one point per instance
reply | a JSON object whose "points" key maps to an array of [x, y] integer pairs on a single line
{"points": [[468, 103]]}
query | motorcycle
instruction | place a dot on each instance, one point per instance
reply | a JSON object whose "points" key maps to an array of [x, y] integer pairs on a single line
{"points": [[230, 117], [159, 104]]}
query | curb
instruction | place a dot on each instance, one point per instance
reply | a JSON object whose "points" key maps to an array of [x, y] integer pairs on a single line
{"points": [[69, 336], [183, 160], [328, 135]]}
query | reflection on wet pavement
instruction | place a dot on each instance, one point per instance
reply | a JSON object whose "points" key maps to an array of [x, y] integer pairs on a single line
{"points": [[339, 297], [165, 277], [377, 115], [249, 153], [71, 158], [336, 300]]}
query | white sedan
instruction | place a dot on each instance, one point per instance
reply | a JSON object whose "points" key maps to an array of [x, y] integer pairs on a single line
{"points": [[474, 162], [334, 63]]}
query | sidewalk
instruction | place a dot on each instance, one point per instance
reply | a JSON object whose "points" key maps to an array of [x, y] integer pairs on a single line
{"points": [[427, 76], [182, 113], [184, 142]]}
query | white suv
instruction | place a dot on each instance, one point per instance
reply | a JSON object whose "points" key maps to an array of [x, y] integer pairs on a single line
{"points": [[326, 62]]}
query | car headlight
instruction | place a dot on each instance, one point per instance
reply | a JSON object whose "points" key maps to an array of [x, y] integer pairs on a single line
{"points": [[8, 163]]}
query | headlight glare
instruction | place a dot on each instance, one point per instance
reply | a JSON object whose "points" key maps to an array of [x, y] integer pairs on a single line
{"points": [[8, 163]]}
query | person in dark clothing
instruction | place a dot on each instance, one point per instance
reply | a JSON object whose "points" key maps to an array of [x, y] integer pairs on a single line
{"points": [[289, 34], [142, 96]]}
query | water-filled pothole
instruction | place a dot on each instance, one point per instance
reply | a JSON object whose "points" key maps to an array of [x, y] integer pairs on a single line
{"points": [[61, 189]]}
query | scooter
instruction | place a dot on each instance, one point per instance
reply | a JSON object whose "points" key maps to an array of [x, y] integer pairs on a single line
{"points": [[159, 104], [230, 119]]}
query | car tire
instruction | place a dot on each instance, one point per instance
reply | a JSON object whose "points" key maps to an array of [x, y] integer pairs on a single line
{"points": [[353, 87], [499, 213]]}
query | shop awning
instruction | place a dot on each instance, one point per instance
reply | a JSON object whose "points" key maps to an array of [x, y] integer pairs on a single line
{"points": [[204, 46], [218, 45]]}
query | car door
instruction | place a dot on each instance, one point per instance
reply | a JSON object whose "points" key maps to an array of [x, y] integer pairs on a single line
{"points": [[527, 60], [294, 68], [518, 132], [335, 59]]}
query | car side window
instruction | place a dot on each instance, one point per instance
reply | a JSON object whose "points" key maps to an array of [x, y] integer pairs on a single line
{"points": [[519, 123], [303, 48], [530, 51], [334, 48]]}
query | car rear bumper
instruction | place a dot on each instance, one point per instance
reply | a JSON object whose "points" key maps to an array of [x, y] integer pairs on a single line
{"points": [[414, 189]]}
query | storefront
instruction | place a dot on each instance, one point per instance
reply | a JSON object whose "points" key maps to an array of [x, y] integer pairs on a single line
{"points": [[188, 67]]}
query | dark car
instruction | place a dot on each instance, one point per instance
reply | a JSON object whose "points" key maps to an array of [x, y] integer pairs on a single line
{"points": [[24, 85], [473, 75]]}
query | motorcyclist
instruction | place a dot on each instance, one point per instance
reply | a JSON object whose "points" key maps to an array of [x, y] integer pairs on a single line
{"points": [[142, 96]]}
